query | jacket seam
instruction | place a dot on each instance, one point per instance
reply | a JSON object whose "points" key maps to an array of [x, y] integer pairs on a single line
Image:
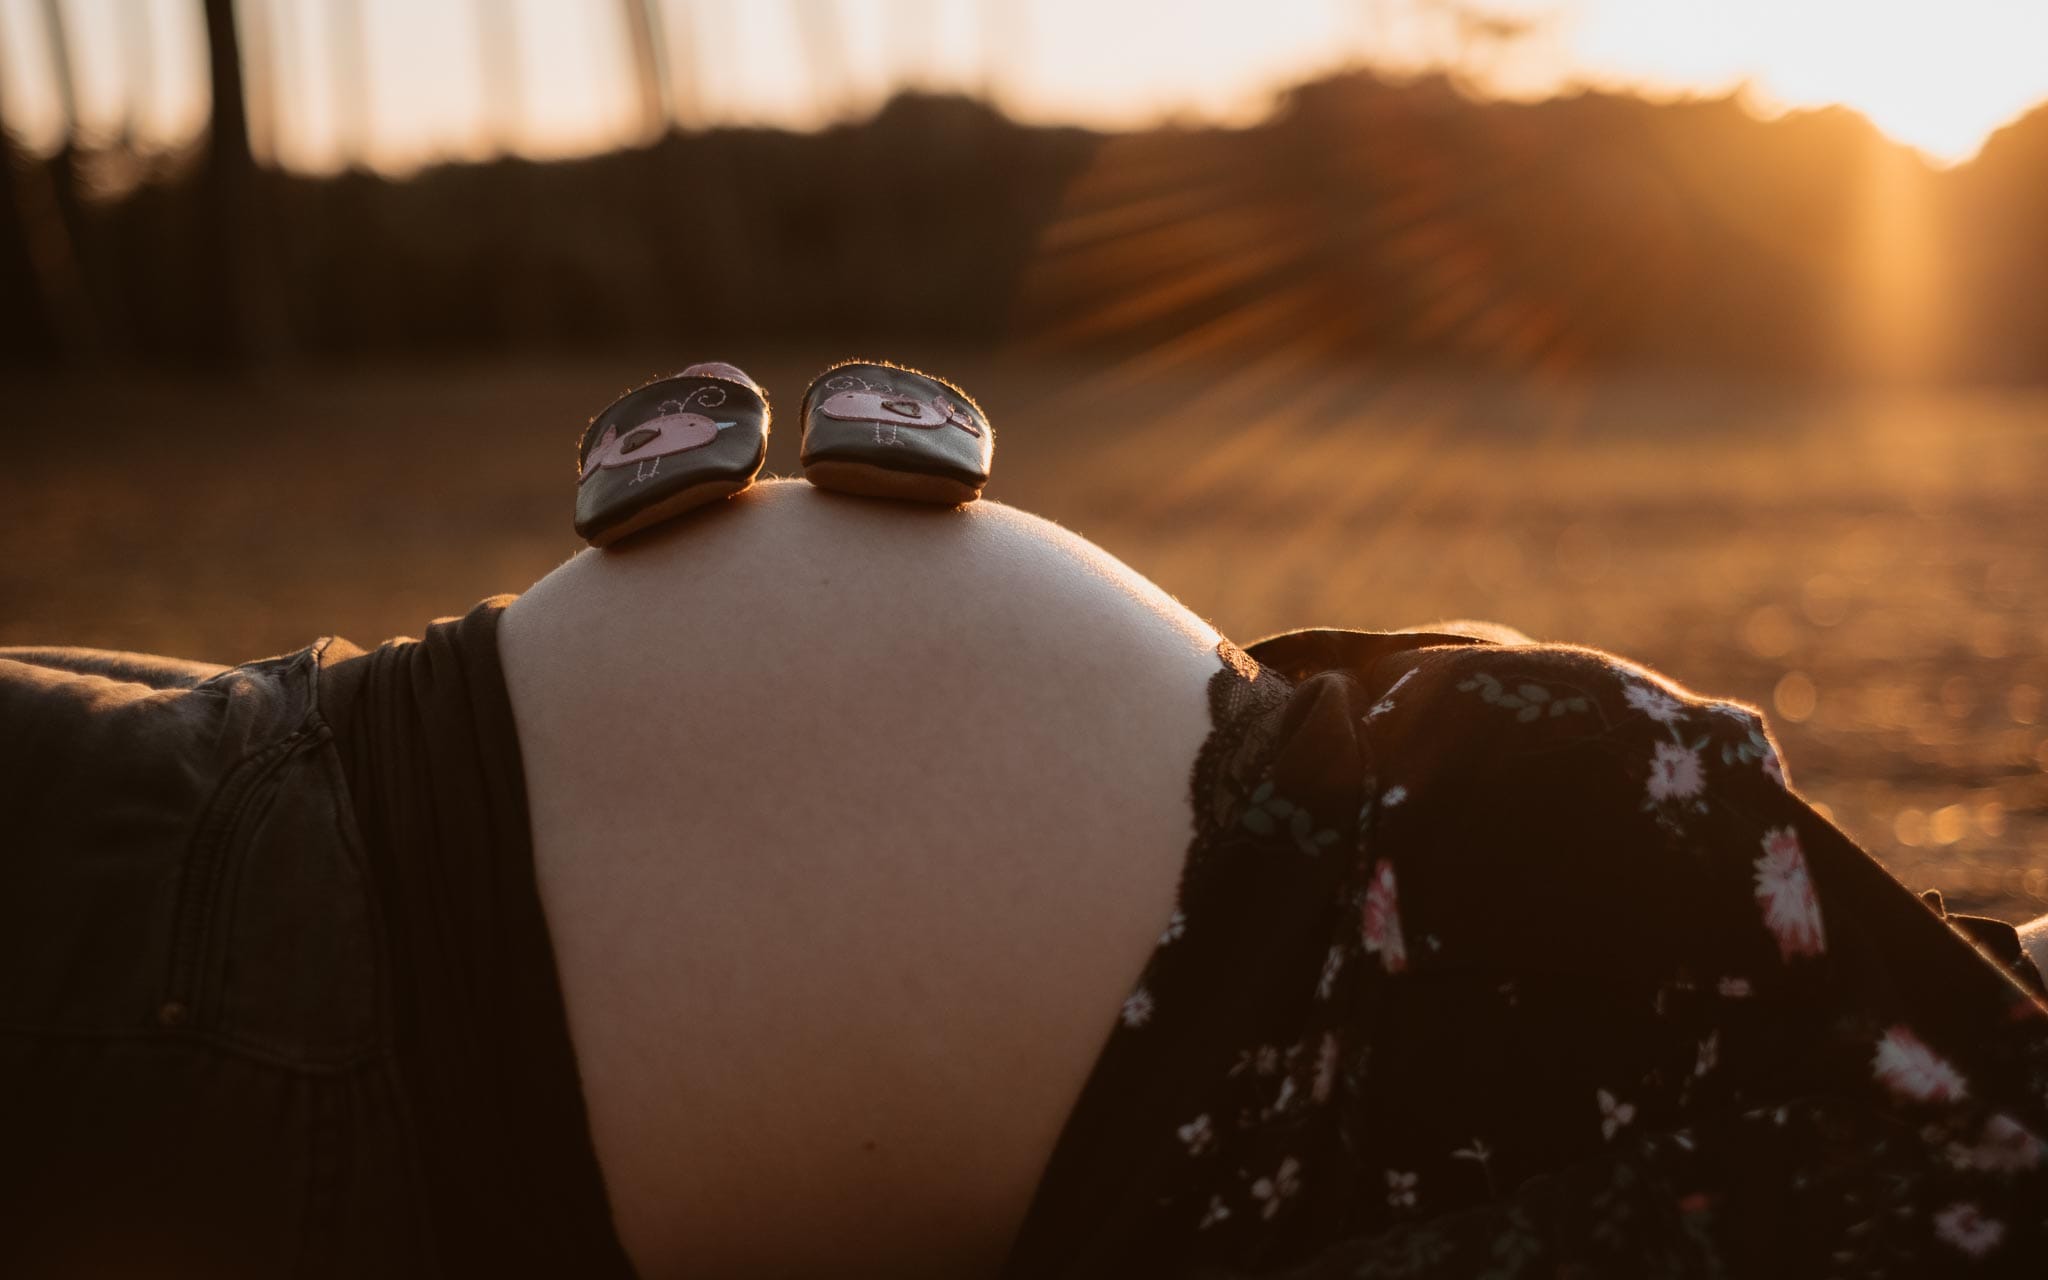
{"points": [[215, 839]]}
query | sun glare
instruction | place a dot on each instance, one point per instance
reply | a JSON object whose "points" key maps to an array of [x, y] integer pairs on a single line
{"points": [[1939, 76]]}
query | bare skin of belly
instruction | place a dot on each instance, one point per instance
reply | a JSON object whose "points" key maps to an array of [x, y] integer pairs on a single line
{"points": [[854, 823]]}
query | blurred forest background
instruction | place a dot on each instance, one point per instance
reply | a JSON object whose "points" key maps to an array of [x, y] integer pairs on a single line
{"points": [[1758, 401]]}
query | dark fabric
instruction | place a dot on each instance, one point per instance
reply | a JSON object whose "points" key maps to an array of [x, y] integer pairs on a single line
{"points": [[193, 1078], [276, 994], [425, 735], [1521, 961], [1488, 961]]}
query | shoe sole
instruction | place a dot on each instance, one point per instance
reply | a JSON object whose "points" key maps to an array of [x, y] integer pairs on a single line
{"points": [[880, 482]]}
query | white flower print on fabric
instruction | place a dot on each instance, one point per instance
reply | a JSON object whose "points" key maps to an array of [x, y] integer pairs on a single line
{"points": [[1215, 1213], [1911, 1070], [1380, 925], [1615, 1115], [1285, 1181], [1326, 1069], [1386, 702], [1653, 704], [1137, 1008], [1791, 912], [1710, 1054], [1176, 925], [1401, 1189], [1268, 1059], [1333, 964], [1482, 1155], [1733, 988], [2007, 1146], [1393, 796], [1675, 773], [1283, 1100], [1966, 1227], [1197, 1135], [1478, 1152]]}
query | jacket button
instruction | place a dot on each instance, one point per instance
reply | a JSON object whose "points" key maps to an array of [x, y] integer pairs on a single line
{"points": [[172, 1014]]}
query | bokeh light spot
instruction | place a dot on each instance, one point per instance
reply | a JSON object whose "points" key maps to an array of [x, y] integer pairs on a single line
{"points": [[1770, 632], [1949, 824], [1991, 818], [2035, 883], [1909, 827], [1795, 697]]}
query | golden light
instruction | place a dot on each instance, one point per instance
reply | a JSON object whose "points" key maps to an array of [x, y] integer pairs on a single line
{"points": [[1939, 76]]}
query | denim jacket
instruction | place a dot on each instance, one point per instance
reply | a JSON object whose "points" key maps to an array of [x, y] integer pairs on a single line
{"points": [[195, 1068]]}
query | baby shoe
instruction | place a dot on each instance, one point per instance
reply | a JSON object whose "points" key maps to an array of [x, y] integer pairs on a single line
{"points": [[669, 446], [890, 432]]}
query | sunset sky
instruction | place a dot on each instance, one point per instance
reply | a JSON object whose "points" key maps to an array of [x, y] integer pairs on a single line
{"points": [[1940, 75]]}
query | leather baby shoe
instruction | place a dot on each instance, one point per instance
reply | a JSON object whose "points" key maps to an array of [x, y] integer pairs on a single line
{"points": [[668, 446], [890, 432]]}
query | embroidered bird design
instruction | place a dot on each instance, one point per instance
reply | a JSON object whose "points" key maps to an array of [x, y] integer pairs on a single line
{"points": [[673, 430], [890, 412]]}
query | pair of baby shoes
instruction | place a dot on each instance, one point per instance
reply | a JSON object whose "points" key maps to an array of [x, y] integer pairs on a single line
{"points": [[870, 428]]}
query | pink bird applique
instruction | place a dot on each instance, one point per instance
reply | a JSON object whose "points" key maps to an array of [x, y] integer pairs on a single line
{"points": [[673, 431]]}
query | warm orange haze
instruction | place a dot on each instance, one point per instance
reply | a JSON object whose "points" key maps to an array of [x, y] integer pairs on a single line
{"points": [[1710, 334], [397, 83], [1084, 638]]}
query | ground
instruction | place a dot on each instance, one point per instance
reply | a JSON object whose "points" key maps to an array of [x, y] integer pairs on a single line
{"points": [[1868, 565]]}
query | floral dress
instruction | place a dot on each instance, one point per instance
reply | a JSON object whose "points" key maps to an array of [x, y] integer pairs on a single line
{"points": [[1522, 961]]}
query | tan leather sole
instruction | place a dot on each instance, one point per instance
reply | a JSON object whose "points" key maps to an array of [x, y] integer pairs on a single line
{"points": [[673, 505], [880, 482]]}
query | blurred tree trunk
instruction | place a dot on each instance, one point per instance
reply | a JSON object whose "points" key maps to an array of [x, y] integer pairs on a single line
{"points": [[26, 316], [228, 158], [57, 31], [227, 189], [648, 52], [44, 199]]}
